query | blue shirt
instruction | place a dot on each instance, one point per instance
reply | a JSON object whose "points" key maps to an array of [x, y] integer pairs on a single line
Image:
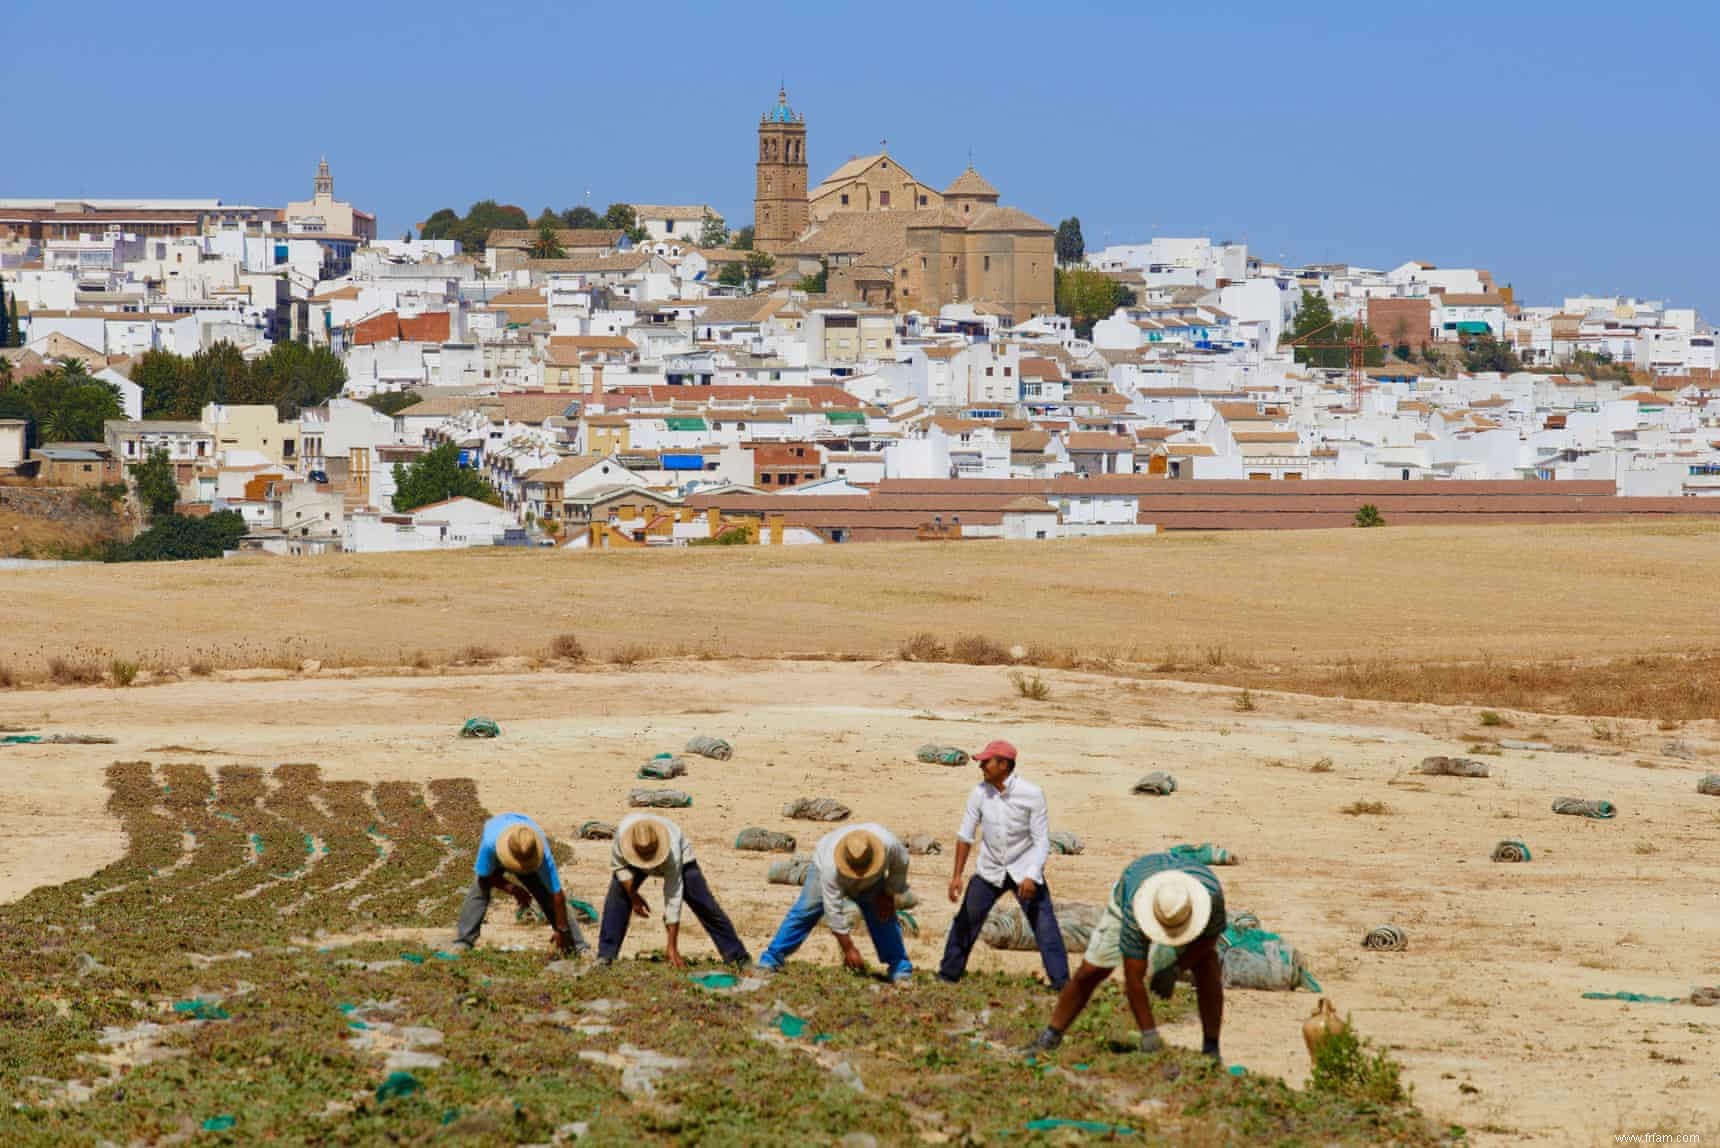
{"points": [[1134, 941], [488, 865]]}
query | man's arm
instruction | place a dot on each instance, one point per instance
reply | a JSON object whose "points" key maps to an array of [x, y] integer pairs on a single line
{"points": [[836, 916], [497, 881], [962, 850], [1135, 989], [563, 934], [1039, 830]]}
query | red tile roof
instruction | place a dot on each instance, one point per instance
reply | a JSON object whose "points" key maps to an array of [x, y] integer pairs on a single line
{"points": [[430, 327]]}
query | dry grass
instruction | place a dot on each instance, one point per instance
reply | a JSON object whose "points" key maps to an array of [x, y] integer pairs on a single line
{"points": [[7, 678], [1324, 765], [64, 672], [477, 654], [567, 647], [201, 668], [979, 650], [1366, 808], [922, 646], [1645, 848], [1492, 718], [630, 654], [1664, 687], [123, 672], [1030, 686], [1244, 702]]}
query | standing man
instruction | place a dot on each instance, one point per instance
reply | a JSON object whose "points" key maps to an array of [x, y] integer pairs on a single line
{"points": [[1168, 901], [863, 863], [650, 846], [514, 846], [1014, 840]]}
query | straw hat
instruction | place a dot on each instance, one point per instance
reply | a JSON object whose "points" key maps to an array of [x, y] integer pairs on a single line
{"points": [[1172, 907], [645, 842], [859, 855], [519, 850]]}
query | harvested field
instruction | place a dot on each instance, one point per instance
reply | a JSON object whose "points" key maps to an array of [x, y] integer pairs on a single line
{"points": [[1538, 617], [210, 841]]}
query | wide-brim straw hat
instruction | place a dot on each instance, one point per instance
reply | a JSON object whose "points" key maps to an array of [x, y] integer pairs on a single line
{"points": [[645, 842], [1172, 907], [519, 850], [860, 855]]}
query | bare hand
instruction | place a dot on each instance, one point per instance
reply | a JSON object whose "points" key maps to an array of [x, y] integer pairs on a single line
{"points": [[522, 898], [563, 942], [852, 959], [1029, 889], [640, 908], [955, 889]]}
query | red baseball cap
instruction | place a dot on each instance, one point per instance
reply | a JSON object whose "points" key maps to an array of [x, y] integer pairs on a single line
{"points": [[997, 748]]}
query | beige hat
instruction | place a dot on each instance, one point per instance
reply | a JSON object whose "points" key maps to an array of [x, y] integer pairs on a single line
{"points": [[519, 850], [1172, 907], [859, 855], [645, 843]]}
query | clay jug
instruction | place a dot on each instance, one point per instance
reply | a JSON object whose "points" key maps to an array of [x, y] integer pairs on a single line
{"points": [[1324, 1022]]}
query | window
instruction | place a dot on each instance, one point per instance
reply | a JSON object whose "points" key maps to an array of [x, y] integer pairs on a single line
{"points": [[988, 371], [922, 263], [1006, 371], [883, 199], [922, 201], [953, 259], [988, 263], [845, 199]]}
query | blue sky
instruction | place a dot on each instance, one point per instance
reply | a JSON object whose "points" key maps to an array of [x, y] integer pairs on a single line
{"points": [[1569, 148]]}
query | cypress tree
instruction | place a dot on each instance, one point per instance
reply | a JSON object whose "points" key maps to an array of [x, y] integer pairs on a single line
{"points": [[5, 321], [16, 333]]}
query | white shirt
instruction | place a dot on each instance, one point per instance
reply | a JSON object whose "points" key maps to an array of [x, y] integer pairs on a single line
{"points": [[836, 888], [1014, 828], [678, 856]]}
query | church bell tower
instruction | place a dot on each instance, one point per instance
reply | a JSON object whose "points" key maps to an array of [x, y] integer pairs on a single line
{"points": [[780, 211]]}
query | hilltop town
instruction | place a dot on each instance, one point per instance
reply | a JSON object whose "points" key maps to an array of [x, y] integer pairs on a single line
{"points": [[883, 354]]}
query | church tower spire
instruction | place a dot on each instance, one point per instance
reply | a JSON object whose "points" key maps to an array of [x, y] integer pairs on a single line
{"points": [[325, 181], [780, 211]]}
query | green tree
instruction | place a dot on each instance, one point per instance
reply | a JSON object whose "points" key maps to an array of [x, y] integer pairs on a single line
{"points": [[68, 405], [1087, 296], [759, 264], [732, 275], [440, 225], [17, 332], [622, 217], [156, 485], [742, 240], [713, 232], [5, 318], [1071, 247], [1485, 353], [582, 218], [217, 374], [816, 284], [294, 376], [1369, 516], [438, 475], [176, 538], [547, 245], [390, 402]]}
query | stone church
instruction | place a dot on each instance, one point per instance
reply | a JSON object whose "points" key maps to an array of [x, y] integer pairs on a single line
{"points": [[889, 240]]}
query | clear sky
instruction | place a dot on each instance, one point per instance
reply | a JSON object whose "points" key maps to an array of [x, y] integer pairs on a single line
{"points": [[1569, 148]]}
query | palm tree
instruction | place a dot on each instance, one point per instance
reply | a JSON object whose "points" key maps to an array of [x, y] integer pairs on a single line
{"points": [[547, 245]]}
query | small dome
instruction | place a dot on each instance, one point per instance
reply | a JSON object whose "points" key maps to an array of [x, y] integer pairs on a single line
{"points": [[782, 113], [971, 183]]}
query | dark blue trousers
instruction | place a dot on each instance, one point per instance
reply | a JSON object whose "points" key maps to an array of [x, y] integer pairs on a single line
{"points": [[970, 918], [696, 896]]}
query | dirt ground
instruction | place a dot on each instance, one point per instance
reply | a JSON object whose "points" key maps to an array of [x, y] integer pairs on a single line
{"points": [[1277, 597], [1484, 1009]]}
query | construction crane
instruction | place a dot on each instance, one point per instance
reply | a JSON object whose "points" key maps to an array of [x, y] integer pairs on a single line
{"points": [[1357, 347]]}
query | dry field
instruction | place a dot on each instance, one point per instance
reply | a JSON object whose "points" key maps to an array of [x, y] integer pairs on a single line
{"points": [[1599, 640], [1597, 619]]}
